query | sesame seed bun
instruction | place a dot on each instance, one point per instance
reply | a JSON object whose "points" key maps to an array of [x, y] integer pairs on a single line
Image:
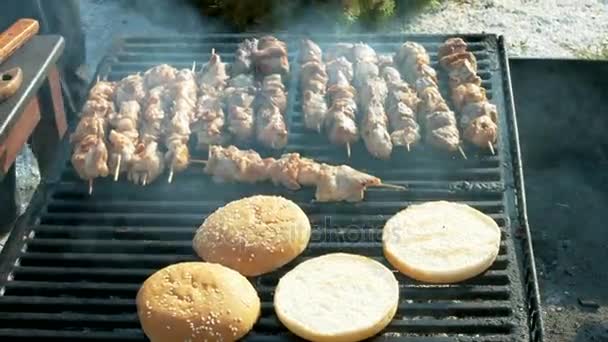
{"points": [[441, 242], [337, 297], [197, 301], [254, 235]]}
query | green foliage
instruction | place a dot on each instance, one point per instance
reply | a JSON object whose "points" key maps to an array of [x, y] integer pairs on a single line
{"points": [[280, 14]]}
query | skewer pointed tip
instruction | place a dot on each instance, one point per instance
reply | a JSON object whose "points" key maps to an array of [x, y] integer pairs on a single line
{"points": [[390, 186], [348, 150], [90, 186], [491, 148], [462, 152], [97, 79], [407, 147], [319, 128], [170, 180], [193, 66], [144, 181], [117, 170]]}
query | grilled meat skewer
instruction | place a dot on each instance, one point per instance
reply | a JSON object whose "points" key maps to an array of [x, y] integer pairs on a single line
{"points": [[271, 102], [123, 136], [210, 118], [239, 98], [478, 117], [401, 103], [313, 85], [438, 120], [183, 113], [333, 183], [90, 155], [340, 123]]}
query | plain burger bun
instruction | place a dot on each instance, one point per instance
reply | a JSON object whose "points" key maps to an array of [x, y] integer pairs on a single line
{"points": [[441, 242], [337, 297], [254, 235], [197, 301]]}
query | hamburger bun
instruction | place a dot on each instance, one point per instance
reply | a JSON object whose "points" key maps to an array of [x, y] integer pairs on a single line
{"points": [[337, 297], [254, 235], [441, 242], [197, 301]]}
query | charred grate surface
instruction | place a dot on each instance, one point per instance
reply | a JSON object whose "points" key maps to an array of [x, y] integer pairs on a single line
{"points": [[73, 267]]}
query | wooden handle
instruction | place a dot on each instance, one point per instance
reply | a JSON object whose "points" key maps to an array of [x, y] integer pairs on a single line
{"points": [[17, 35]]}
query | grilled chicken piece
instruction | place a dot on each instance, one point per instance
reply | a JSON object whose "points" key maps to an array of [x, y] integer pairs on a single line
{"points": [[90, 157], [385, 61], [313, 77], [391, 75], [88, 125], [364, 71], [130, 88], [334, 183], [233, 165], [343, 183], [373, 88], [310, 52], [271, 129], [452, 46], [156, 108], [315, 110], [339, 65], [364, 52], [285, 170], [439, 122], [213, 77], [162, 74], [243, 57], [273, 89], [239, 104], [147, 164], [467, 93], [123, 136], [478, 118], [271, 57], [211, 122]]}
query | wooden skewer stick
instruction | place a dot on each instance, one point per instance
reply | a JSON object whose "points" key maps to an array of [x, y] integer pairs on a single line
{"points": [[389, 186], [213, 51], [199, 161], [407, 147], [491, 148], [117, 170], [319, 128], [348, 149], [193, 66], [462, 152], [170, 175], [145, 180], [97, 79], [90, 186]]}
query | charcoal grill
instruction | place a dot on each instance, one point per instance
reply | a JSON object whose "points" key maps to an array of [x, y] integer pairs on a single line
{"points": [[74, 263]]}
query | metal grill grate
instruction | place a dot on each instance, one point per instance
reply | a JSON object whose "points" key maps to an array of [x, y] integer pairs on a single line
{"points": [[74, 264]]}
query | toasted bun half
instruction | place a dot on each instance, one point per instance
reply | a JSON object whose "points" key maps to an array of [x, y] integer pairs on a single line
{"points": [[197, 301], [441, 242], [254, 235], [337, 297]]}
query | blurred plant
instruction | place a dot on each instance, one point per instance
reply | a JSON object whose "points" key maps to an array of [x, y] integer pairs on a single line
{"points": [[281, 14]]}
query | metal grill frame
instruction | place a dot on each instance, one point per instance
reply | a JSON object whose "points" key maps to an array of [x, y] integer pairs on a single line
{"points": [[511, 184]]}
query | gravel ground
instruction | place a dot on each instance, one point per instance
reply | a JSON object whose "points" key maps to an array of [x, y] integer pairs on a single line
{"points": [[539, 28], [533, 28]]}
